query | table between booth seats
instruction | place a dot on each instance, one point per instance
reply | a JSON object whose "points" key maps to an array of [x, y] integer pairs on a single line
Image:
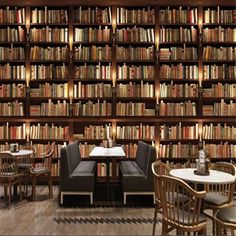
{"points": [[100, 153]]}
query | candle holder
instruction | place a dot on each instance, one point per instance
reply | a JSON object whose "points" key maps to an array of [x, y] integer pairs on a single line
{"points": [[157, 109], [71, 109], [157, 55], [27, 37], [70, 56], [28, 92], [113, 38]]}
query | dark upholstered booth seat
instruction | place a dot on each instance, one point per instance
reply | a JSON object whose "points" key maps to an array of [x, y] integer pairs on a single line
{"points": [[76, 176], [137, 176]]}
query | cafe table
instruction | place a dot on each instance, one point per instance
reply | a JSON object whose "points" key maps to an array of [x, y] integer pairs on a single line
{"points": [[215, 176], [101, 153]]}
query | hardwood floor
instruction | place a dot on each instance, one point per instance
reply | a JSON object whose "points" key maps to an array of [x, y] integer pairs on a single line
{"points": [[45, 217]]}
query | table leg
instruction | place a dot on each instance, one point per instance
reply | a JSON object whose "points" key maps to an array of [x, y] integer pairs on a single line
{"points": [[108, 178]]}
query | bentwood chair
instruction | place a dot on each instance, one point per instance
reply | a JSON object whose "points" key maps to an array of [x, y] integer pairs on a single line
{"points": [[225, 220], [26, 164], [158, 168], [43, 170], [9, 174], [182, 214], [219, 196]]}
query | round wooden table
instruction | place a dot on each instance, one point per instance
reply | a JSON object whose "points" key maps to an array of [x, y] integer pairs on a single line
{"points": [[215, 176], [20, 153]]}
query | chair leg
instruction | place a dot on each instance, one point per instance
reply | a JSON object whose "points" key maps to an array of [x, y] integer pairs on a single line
{"points": [[20, 186], [164, 228], [154, 220], [213, 223], [9, 196], [50, 186], [33, 187], [124, 198], [5, 192]]}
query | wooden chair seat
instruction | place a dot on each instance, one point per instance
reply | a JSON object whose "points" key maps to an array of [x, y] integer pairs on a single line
{"points": [[216, 199], [225, 219]]}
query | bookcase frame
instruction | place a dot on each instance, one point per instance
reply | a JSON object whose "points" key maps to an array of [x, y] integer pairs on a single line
{"points": [[73, 121]]}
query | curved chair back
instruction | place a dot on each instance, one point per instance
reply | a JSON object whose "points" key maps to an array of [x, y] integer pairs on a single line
{"points": [[178, 212], [8, 165]]}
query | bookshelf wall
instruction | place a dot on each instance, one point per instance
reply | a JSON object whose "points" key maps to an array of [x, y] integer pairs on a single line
{"points": [[162, 73]]}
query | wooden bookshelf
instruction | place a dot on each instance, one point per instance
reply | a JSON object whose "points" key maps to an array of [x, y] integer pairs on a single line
{"points": [[84, 67]]}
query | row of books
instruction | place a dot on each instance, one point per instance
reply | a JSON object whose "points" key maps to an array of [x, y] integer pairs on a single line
{"points": [[50, 90], [139, 16], [12, 53], [49, 131], [219, 34], [135, 90], [135, 72], [178, 53], [219, 131], [12, 90], [179, 71], [90, 108], [211, 16], [12, 34], [177, 150], [92, 53], [135, 34], [135, 132], [102, 169], [187, 108], [49, 15], [14, 108], [178, 15], [220, 109], [92, 15], [55, 169], [9, 15], [95, 132], [179, 131], [49, 34], [178, 34], [138, 53], [12, 132], [92, 90], [130, 149], [223, 71], [133, 109], [86, 149], [220, 90], [61, 108], [178, 90], [223, 150], [222, 53], [93, 71], [92, 34], [51, 71], [49, 53], [8, 71]]}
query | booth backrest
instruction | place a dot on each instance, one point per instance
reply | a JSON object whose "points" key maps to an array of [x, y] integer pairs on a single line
{"points": [[145, 155], [73, 156]]}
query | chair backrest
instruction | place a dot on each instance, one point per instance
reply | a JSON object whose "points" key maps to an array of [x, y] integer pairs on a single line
{"points": [[225, 189], [8, 165], [180, 203], [159, 168], [47, 158], [29, 158], [145, 156]]}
